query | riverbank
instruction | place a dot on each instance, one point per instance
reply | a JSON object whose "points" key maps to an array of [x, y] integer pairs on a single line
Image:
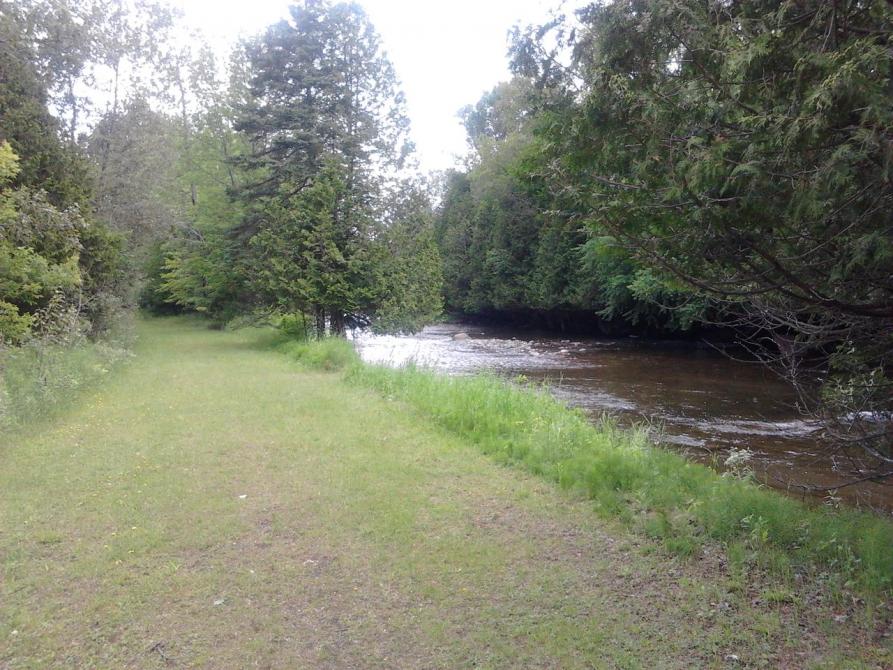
{"points": [[658, 493], [701, 404], [588, 323], [213, 505]]}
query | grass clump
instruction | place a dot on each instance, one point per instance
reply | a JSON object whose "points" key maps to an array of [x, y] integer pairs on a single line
{"points": [[41, 376], [665, 496], [332, 353]]}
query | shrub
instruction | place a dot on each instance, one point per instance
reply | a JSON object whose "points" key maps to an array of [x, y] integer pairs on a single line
{"points": [[294, 326]]}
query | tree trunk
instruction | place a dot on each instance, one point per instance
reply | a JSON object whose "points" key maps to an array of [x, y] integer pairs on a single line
{"points": [[337, 319], [73, 101], [320, 314]]}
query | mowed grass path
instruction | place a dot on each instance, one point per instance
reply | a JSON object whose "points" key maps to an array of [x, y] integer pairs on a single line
{"points": [[214, 505]]}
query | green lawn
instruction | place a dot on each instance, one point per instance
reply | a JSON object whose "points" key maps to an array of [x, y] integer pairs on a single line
{"points": [[214, 505]]}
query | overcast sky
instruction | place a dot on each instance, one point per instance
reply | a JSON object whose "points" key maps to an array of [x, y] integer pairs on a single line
{"points": [[446, 53]]}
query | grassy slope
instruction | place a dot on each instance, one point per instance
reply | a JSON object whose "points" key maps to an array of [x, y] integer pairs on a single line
{"points": [[366, 538]]}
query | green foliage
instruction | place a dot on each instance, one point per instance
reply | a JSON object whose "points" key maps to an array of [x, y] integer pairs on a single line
{"points": [[308, 258], [14, 326], [489, 230], [406, 266], [45, 162], [198, 267], [41, 376], [327, 133], [294, 326], [206, 175], [29, 280], [50, 249], [51, 254], [38, 252], [9, 169], [153, 297], [136, 154], [199, 275], [659, 492], [52, 364], [63, 274], [512, 240], [104, 269], [320, 133], [409, 280], [637, 295], [321, 85]]}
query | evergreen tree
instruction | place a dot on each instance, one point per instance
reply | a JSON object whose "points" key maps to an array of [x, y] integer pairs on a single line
{"points": [[307, 261], [326, 128], [51, 249], [44, 160], [512, 240], [406, 264], [320, 86], [744, 149]]}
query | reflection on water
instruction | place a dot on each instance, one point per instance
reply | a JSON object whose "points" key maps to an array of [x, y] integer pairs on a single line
{"points": [[702, 402]]}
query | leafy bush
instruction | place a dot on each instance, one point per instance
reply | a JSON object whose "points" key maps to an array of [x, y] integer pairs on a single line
{"points": [[14, 327], [294, 326], [50, 254]]}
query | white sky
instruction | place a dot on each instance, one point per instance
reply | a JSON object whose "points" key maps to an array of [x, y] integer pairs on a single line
{"points": [[446, 53]]}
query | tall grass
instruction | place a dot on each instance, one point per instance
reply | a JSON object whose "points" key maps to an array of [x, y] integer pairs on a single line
{"points": [[50, 369], [40, 377], [333, 353]]}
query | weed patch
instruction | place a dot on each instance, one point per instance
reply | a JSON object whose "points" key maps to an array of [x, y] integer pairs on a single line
{"points": [[330, 354], [38, 378]]}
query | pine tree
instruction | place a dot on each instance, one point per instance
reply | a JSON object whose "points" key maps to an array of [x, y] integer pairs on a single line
{"points": [[321, 86], [307, 263], [325, 122]]}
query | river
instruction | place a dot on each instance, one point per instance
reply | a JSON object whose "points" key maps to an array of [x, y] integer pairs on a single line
{"points": [[696, 400]]}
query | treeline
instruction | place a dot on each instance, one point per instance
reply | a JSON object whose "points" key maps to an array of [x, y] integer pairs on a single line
{"points": [[303, 200], [515, 248], [670, 164]]}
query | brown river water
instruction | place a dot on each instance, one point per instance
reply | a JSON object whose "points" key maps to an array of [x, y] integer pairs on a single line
{"points": [[696, 400]]}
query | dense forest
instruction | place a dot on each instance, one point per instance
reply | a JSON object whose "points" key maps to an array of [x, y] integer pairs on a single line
{"points": [[652, 167]]}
